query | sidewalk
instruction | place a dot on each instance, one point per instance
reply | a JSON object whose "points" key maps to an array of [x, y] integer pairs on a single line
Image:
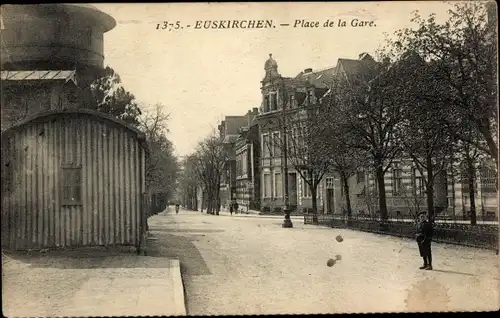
{"points": [[90, 282], [253, 213]]}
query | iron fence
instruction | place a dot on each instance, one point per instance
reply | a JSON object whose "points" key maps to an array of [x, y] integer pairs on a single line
{"points": [[480, 235]]}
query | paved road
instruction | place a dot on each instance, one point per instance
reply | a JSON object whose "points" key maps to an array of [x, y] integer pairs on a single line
{"points": [[238, 265]]}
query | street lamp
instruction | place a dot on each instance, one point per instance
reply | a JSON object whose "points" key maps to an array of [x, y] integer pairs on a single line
{"points": [[287, 222]]}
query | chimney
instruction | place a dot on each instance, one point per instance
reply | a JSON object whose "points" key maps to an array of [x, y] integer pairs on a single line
{"points": [[308, 70]]}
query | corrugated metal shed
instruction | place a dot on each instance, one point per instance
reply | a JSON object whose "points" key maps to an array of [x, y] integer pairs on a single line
{"points": [[72, 178], [38, 75]]}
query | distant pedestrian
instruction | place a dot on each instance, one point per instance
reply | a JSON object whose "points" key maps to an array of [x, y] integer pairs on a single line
{"points": [[231, 208], [236, 206], [177, 208], [424, 239]]}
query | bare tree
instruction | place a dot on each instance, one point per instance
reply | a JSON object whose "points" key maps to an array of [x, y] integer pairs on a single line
{"points": [[345, 160], [189, 182], [210, 160], [425, 135], [371, 114], [304, 142], [162, 166]]}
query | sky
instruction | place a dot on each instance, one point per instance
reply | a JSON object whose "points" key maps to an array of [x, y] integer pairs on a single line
{"points": [[202, 75]]}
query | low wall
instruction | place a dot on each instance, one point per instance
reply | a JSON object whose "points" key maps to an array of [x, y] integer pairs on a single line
{"points": [[480, 235]]}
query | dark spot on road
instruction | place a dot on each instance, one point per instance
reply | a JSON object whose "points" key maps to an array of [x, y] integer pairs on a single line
{"points": [[338, 257], [330, 262], [339, 238]]}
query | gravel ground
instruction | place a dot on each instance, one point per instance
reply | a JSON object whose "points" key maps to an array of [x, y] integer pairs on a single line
{"points": [[238, 265]]}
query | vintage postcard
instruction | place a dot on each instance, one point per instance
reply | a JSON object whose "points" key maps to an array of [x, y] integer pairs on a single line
{"points": [[249, 158]]}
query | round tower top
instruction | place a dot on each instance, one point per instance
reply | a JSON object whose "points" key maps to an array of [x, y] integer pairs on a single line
{"points": [[270, 63], [87, 10]]}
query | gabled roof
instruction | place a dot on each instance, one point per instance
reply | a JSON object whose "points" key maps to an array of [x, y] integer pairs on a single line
{"points": [[319, 78], [353, 68], [60, 75]]}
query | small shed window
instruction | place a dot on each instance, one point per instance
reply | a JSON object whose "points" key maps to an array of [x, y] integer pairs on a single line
{"points": [[72, 95], [71, 186]]}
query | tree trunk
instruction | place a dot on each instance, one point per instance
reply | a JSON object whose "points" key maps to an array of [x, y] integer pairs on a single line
{"points": [[490, 141], [195, 198], [382, 201], [430, 188], [218, 194], [472, 193], [314, 190], [209, 200], [345, 184]]}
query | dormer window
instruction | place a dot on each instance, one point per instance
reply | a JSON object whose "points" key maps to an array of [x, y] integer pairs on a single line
{"points": [[291, 101], [310, 97]]}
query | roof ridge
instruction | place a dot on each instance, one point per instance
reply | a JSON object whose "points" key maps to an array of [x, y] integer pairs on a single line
{"points": [[316, 70]]}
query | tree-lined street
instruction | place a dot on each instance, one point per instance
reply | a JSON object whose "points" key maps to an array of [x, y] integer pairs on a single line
{"points": [[250, 265]]}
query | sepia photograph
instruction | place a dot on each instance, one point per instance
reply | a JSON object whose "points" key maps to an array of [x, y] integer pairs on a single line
{"points": [[245, 158]]}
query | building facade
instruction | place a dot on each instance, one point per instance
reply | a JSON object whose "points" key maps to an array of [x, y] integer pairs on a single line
{"points": [[247, 149], [282, 102], [282, 114], [229, 133]]}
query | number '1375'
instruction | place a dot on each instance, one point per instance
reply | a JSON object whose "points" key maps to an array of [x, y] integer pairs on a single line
{"points": [[165, 25]]}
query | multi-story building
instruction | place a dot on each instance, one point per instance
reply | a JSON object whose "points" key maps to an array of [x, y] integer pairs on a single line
{"points": [[404, 184], [283, 102], [247, 149], [228, 133]]}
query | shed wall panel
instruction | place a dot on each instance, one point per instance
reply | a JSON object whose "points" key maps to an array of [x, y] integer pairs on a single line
{"points": [[110, 156]]}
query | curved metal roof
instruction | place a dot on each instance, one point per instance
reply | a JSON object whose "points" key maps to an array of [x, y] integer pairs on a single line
{"points": [[81, 111]]}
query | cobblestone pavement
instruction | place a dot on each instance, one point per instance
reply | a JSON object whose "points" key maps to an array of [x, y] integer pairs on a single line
{"points": [[237, 265]]}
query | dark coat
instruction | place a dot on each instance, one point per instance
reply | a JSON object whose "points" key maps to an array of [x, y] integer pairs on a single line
{"points": [[424, 237]]}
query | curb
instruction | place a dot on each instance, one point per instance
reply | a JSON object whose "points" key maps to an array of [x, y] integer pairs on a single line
{"points": [[179, 300]]}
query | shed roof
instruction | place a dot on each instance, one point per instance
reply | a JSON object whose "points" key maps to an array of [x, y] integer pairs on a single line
{"points": [[59, 75], [82, 111]]}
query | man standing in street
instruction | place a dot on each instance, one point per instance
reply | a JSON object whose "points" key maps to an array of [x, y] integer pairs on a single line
{"points": [[424, 239]]}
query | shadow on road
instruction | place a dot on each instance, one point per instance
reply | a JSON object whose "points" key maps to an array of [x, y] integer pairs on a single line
{"points": [[162, 229], [87, 258], [452, 272], [180, 247]]}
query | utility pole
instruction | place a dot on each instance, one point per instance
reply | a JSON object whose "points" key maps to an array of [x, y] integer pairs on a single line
{"points": [[287, 222]]}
